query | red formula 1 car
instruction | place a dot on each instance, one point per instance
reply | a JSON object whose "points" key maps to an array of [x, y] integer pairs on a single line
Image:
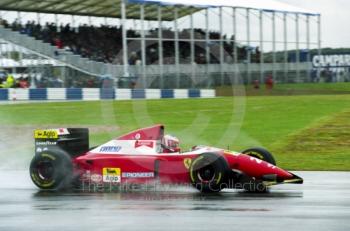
{"points": [[63, 159]]}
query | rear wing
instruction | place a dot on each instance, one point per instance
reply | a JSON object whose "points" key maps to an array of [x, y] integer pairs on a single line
{"points": [[75, 141]]}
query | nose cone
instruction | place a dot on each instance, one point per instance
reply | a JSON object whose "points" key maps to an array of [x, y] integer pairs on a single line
{"points": [[258, 168]]}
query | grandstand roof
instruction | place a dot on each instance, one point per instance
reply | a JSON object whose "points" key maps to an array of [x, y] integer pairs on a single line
{"points": [[111, 8]]}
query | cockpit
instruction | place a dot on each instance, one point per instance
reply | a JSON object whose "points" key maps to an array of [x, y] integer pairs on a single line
{"points": [[143, 141]]}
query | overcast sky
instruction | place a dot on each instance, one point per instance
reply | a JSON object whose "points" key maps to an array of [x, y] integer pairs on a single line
{"points": [[335, 20]]}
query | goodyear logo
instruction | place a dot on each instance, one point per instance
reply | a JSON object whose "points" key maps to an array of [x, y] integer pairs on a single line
{"points": [[111, 175], [45, 134]]}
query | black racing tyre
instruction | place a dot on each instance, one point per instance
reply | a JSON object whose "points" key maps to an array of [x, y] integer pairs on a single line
{"points": [[208, 172], [51, 170], [261, 154]]}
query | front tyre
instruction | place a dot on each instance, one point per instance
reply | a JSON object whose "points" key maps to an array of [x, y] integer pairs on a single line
{"points": [[260, 153], [51, 170], [208, 172]]}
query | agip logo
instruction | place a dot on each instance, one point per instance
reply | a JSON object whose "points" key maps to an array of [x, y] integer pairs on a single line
{"points": [[111, 175], [45, 134]]}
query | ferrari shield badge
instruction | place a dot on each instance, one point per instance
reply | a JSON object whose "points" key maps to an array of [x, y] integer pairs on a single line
{"points": [[187, 162]]}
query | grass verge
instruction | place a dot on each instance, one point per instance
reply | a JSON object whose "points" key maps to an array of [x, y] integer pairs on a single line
{"points": [[304, 132]]}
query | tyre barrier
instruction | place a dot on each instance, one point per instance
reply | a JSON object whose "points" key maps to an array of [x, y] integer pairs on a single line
{"points": [[59, 94]]}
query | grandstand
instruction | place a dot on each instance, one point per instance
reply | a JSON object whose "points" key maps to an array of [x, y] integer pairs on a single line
{"points": [[159, 43]]}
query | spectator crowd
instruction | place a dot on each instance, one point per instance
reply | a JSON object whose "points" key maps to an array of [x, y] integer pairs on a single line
{"points": [[104, 43]]}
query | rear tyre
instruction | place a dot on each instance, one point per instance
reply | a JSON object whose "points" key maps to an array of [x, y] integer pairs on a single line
{"points": [[260, 153], [51, 170], [208, 173]]}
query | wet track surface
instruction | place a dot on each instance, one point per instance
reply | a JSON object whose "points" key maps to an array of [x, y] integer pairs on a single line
{"points": [[322, 203]]}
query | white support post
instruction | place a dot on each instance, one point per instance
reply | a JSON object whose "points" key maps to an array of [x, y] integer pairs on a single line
{"points": [[58, 29], [19, 18], [1, 41], [73, 21], [308, 36], [221, 37], [207, 39], [91, 60], [261, 30], [177, 53], [38, 18], [234, 17], [90, 21], [248, 44], [75, 24], [193, 65], [285, 42], [319, 41], [134, 21], [308, 46], [297, 53], [176, 34], [13, 48], [143, 44], [221, 47], [125, 39], [160, 46], [274, 45], [192, 40]]}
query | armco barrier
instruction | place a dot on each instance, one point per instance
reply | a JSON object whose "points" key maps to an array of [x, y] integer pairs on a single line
{"points": [[102, 94]]}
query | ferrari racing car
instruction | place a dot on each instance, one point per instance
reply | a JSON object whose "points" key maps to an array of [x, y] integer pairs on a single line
{"points": [[63, 159]]}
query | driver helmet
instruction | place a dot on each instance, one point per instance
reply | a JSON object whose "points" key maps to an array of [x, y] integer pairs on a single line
{"points": [[171, 144]]}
